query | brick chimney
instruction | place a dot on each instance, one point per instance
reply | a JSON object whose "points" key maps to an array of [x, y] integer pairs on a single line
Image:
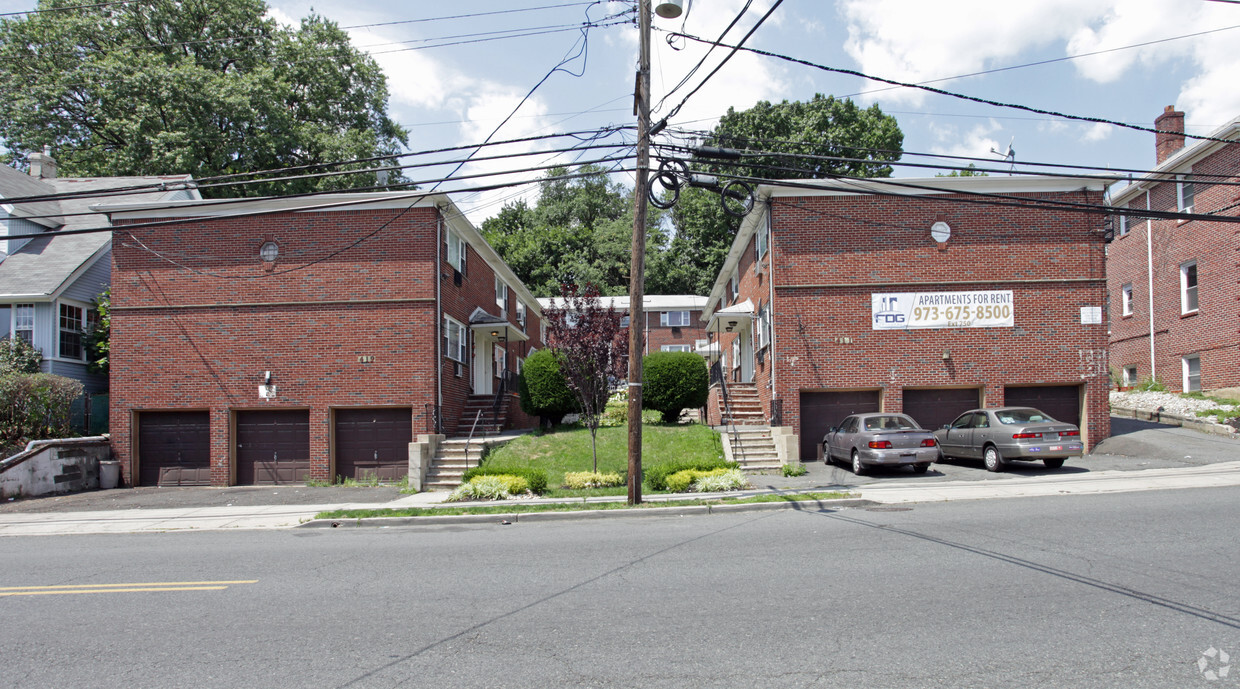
{"points": [[1170, 136], [43, 165]]}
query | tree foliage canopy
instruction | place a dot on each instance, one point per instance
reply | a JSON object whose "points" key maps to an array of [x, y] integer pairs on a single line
{"points": [[206, 87], [579, 232], [862, 142]]}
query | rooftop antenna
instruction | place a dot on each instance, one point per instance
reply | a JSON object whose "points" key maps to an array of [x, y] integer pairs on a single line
{"points": [[1009, 156]]}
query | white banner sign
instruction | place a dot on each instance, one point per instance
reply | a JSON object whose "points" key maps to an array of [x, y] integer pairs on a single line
{"points": [[909, 310]]}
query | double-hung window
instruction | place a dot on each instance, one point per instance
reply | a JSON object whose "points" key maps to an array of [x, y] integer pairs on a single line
{"points": [[734, 286], [1126, 299], [501, 297], [23, 323], [674, 319], [1188, 287], [762, 328], [1192, 373], [71, 321], [521, 318], [1122, 221], [457, 251], [1184, 193], [455, 339], [760, 243]]}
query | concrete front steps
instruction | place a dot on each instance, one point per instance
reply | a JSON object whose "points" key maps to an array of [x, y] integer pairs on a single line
{"points": [[486, 426], [745, 406], [452, 458], [753, 447]]}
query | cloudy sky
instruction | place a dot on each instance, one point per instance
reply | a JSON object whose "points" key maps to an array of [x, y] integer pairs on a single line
{"points": [[1121, 60]]}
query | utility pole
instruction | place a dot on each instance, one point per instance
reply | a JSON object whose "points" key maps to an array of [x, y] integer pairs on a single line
{"points": [[637, 272]]}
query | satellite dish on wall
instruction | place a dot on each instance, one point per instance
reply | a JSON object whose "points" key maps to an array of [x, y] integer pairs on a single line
{"points": [[669, 9]]}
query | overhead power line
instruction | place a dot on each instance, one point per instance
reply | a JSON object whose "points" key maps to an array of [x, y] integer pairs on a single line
{"points": [[931, 89], [69, 8]]}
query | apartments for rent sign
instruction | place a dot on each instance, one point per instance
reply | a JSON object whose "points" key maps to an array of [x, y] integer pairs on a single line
{"points": [[909, 310]]}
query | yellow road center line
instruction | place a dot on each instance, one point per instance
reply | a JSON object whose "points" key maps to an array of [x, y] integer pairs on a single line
{"points": [[66, 592], [141, 584]]}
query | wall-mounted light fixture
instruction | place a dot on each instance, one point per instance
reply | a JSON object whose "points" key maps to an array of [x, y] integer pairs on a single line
{"points": [[494, 333], [731, 324], [266, 377]]}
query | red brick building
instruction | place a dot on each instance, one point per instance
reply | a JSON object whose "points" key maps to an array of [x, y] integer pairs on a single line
{"points": [[1174, 284], [915, 296], [672, 322], [279, 340]]}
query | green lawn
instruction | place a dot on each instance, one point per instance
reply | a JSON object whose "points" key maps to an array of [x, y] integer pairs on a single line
{"points": [[568, 449]]}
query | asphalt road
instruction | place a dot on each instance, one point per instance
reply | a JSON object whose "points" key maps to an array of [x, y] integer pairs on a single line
{"points": [[1121, 590]]}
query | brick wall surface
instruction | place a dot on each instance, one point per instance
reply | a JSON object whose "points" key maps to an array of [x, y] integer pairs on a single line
{"points": [[1160, 247], [345, 317], [829, 254]]}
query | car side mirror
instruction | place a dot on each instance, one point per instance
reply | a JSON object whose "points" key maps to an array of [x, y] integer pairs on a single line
{"points": [[946, 426], [832, 429]]}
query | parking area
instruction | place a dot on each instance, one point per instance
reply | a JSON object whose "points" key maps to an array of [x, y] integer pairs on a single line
{"points": [[1134, 445]]}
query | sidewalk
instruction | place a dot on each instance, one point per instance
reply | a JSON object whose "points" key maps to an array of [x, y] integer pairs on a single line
{"points": [[286, 516]]}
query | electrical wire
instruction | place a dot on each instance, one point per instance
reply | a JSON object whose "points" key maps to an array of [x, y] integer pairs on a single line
{"points": [[975, 99], [702, 61], [69, 8]]}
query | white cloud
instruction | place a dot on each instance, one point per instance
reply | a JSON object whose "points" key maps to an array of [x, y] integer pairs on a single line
{"points": [[977, 142], [914, 41], [1097, 132]]}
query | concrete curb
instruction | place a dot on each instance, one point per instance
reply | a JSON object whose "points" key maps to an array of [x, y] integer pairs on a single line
{"points": [[1190, 422], [564, 515]]}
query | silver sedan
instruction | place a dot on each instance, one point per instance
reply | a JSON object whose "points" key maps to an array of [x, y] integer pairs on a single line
{"points": [[1000, 435], [880, 439]]}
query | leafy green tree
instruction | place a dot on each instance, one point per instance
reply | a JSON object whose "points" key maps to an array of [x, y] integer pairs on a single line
{"points": [[673, 381], [855, 141], [579, 232], [970, 171], [207, 87], [18, 356], [543, 391], [98, 338]]}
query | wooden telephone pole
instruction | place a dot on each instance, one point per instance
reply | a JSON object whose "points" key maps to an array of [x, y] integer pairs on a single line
{"points": [[637, 276]]}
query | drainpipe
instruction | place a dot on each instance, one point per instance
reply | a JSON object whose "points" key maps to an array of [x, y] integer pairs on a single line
{"points": [[770, 300], [1149, 272], [439, 311]]}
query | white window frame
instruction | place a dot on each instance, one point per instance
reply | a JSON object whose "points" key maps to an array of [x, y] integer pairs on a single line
{"points": [[80, 331], [761, 243], [676, 348], [734, 287], [1123, 225], [674, 319], [542, 332], [1185, 194], [1130, 376], [736, 352], [458, 250], [1126, 299], [762, 328], [24, 312], [500, 357], [1192, 383], [1189, 293], [501, 297], [451, 326], [521, 314]]}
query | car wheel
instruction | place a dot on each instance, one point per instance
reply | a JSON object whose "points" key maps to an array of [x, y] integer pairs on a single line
{"points": [[992, 458], [921, 467], [826, 455], [857, 466], [1053, 463]]}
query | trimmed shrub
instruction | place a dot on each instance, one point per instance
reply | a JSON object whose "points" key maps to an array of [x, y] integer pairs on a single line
{"points": [[535, 479], [35, 407], [493, 487], [673, 381], [543, 390], [18, 356], [580, 480], [656, 475], [720, 480]]}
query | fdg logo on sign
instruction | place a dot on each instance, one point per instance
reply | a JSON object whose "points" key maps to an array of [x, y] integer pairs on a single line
{"points": [[1214, 664]]}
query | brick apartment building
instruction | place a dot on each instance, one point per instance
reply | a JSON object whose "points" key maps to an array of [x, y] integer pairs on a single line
{"points": [[1174, 284], [672, 322], [842, 297], [280, 340]]}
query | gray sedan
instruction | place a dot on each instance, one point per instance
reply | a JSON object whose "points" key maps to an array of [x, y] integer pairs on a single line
{"points": [[1000, 435], [886, 439]]}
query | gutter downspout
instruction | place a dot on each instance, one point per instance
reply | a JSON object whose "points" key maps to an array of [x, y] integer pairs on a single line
{"points": [[1149, 273], [770, 300], [439, 311]]}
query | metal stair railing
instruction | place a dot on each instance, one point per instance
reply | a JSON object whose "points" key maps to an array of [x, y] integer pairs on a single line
{"points": [[470, 437], [717, 376]]}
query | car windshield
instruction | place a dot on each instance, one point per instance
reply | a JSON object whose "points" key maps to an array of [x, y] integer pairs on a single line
{"points": [[1013, 417], [889, 423]]}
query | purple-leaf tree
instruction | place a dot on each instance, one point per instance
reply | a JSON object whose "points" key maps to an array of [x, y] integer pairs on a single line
{"points": [[584, 332]]}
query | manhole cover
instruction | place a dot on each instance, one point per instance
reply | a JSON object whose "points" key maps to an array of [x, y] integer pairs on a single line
{"points": [[889, 509]]}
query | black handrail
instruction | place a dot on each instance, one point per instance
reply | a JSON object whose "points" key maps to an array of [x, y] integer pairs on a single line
{"points": [[507, 381], [716, 371]]}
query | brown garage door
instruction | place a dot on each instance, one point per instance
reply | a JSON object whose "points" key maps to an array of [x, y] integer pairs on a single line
{"points": [[373, 443], [821, 410], [174, 448], [273, 447], [935, 408], [1063, 402]]}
